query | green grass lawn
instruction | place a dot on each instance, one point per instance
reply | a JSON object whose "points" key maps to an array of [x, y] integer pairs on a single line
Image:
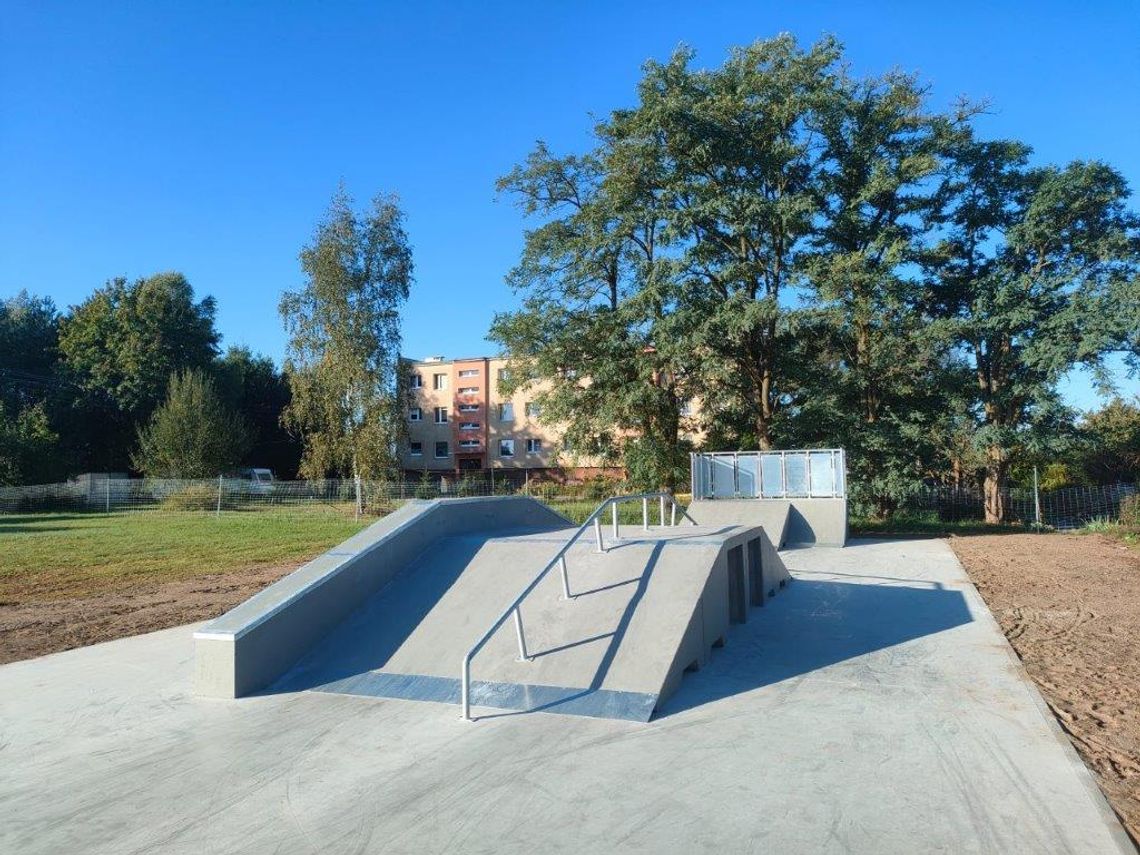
{"points": [[926, 524], [44, 556], [629, 513]]}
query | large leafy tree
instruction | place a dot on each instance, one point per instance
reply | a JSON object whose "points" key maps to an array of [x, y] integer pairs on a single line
{"points": [[119, 347], [344, 340], [1111, 442], [192, 434], [30, 390], [886, 378], [599, 323], [252, 387], [1034, 272], [29, 349], [28, 446], [741, 164]]}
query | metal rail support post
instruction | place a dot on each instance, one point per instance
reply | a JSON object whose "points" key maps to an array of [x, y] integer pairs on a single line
{"points": [[519, 631], [645, 514]]}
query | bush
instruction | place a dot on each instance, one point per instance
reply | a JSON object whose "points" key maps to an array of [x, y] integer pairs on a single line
{"points": [[196, 497], [1130, 512]]}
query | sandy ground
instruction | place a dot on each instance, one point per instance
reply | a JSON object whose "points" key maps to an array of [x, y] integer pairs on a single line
{"points": [[1070, 606], [33, 627]]}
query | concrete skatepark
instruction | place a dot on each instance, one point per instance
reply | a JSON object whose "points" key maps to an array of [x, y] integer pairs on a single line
{"points": [[870, 705]]}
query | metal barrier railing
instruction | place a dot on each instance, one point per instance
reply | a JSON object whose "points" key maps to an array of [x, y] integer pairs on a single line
{"points": [[595, 520], [806, 473]]}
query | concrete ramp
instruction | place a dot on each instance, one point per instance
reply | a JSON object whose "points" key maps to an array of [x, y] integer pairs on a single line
{"points": [[253, 644], [640, 615], [430, 583]]}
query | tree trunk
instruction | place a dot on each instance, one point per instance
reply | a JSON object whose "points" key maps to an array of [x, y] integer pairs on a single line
{"points": [[997, 474]]}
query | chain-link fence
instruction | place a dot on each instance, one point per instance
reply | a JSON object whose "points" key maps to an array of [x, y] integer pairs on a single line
{"points": [[346, 497], [1063, 509]]}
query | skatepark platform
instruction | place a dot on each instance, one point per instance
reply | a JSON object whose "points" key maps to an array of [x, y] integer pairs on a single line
{"points": [[872, 707], [393, 612]]}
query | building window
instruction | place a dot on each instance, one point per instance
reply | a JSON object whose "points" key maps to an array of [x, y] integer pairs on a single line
{"points": [[506, 448], [469, 425], [504, 374], [507, 412], [534, 446], [469, 372], [468, 408], [439, 381], [469, 443], [416, 414], [441, 450], [441, 415], [417, 381], [468, 390], [686, 408], [533, 409], [416, 449]]}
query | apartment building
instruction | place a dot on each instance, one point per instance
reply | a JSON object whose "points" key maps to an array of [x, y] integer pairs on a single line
{"points": [[458, 420]]}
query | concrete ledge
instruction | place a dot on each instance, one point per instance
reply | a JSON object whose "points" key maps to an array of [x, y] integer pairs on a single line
{"points": [[788, 522], [253, 644]]}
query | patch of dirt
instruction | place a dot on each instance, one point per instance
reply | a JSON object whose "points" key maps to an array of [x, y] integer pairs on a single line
{"points": [[1070, 606], [32, 627]]}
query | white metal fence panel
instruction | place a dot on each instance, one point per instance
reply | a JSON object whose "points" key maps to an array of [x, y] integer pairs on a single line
{"points": [[814, 473]]}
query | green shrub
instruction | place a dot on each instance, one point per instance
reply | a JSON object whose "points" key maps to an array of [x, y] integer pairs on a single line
{"points": [[196, 497], [1130, 512]]}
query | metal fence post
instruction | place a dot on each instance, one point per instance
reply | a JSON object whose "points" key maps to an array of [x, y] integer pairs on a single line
{"points": [[218, 512], [645, 514], [107, 492], [1036, 501], [614, 515], [356, 484], [598, 533], [661, 510]]}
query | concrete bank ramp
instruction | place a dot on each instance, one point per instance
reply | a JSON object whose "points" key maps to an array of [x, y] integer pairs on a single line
{"points": [[641, 614]]}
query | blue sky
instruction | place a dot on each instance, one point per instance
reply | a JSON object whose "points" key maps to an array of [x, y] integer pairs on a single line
{"points": [[208, 137]]}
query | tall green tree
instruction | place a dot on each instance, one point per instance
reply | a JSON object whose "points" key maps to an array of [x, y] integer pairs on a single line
{"points": [[598, 322], [192, 434], [119, 347], [741, 164], [29, 350], [344, 341], [1111, 446], [28, 446], [252, 387], [888, 374], [1032, 273], [31, 391]]}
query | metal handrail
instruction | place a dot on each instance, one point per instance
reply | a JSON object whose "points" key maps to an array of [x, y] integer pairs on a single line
{"points": [[559, 558]]}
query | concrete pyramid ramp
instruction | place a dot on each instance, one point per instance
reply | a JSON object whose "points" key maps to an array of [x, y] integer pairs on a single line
{"points": [[640, 614]]}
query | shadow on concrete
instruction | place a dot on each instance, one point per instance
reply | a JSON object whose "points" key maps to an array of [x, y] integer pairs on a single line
{"points": [[369, 637], [814, 624]]}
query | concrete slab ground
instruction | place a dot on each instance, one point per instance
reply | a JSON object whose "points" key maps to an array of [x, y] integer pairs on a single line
{"points": [[872, 707]]}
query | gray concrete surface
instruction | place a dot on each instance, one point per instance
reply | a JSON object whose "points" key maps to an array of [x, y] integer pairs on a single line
{"points": [[253, 644], [789, 522], [640, 614], [872, 707]]}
